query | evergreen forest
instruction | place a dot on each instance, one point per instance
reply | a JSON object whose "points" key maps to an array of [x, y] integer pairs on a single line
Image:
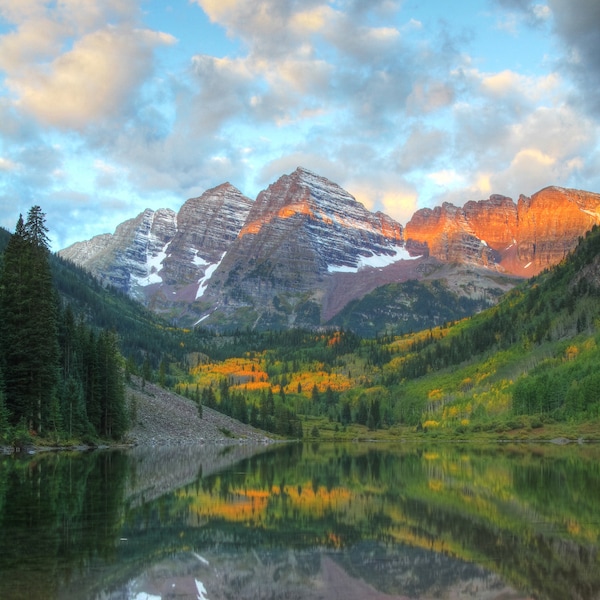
{"points": [[526, 367], [59, 377]]}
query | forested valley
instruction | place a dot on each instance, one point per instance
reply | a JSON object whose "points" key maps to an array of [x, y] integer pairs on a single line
{"points": [[524, 366]]}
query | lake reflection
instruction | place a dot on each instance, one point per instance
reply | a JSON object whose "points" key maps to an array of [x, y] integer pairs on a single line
{"points": [[302, 521]]}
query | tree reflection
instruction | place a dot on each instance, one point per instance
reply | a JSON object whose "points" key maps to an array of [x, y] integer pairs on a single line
{"points": [[73, 526], [60, 513]]}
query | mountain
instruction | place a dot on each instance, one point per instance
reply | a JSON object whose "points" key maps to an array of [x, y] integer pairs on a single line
{"points": [[300, 233], [521, 239], [162, 256], [305, 250]]}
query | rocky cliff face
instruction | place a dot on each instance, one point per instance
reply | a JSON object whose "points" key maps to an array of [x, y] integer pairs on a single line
{"points": [[336, 229], [131, 258], [305, 248], [520, 239], [206, 228], [550, 222], [160, 257], [447, 233]]}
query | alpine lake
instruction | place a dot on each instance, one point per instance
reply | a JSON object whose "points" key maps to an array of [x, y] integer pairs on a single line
{"points": [[303, 521]]}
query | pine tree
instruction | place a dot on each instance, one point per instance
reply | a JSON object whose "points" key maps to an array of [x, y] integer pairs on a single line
{"points": [[74, 414], [162, 373], [113, 413], [91, 380], [346, 417], [28, 311], [362, 413], [374, 418], [4, 413]]}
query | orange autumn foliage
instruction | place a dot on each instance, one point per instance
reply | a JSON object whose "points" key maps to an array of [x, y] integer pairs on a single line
{"points": [[251, 504], [251, 386], [241, 369], [321, 379]]}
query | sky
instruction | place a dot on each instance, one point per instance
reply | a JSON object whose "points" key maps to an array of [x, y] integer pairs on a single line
{"points": [[109, 107]]}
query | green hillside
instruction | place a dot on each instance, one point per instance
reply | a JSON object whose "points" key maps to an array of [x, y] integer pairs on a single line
{"points": [[531, 360]]}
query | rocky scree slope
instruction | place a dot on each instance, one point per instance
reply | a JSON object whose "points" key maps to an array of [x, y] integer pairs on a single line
{"points": [[161, 418]]}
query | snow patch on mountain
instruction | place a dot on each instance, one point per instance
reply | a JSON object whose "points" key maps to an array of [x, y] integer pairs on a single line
{"points": [[199, 261], [374, 261], [152, 268], [208, 273]]}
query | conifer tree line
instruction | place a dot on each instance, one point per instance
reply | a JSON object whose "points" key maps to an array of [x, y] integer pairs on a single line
{"points": [[59, 378], [268, 413]]}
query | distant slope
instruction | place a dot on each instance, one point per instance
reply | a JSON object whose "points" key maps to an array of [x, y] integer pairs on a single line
{"points": [[142, 333], [415, 305]]}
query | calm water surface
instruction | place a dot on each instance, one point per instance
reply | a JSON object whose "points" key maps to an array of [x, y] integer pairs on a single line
{"points": [[302, 521]]}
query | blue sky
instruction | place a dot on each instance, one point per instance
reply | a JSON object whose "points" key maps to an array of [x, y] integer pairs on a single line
{"points": [[108, 107]]}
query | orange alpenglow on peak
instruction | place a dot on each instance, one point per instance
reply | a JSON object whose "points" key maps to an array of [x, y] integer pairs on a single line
{"points": [[520, 238], [285, 212]]}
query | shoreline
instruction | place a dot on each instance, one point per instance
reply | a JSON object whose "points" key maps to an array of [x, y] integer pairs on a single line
{"points": [[266, 441]]}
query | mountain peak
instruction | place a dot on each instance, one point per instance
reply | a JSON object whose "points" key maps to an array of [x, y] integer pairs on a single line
{"points": [[309, 177], [300, 170]]}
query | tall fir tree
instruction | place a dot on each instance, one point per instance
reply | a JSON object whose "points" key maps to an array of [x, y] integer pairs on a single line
{"points": [[113, 413], [4, 413], [28, 311]]}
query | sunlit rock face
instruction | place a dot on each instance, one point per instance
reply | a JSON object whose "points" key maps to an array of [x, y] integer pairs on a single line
{"points": [[494, 221], [445, 232], [308, 225], [335, 229], [521, 239], [550, 223]]}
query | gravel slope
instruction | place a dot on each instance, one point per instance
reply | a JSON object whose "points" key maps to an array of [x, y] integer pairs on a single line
{"points": [[160, 417]]}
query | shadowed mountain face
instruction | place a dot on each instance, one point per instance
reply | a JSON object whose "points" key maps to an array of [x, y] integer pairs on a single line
{"points": [[305, 248]]}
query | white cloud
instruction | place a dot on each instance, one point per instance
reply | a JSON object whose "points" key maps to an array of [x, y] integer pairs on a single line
{"points": [[310, 21], [72, 62], [446, 177], [269, 28], [34, 40], [550, 147], [379, 96], [428, 96], [542, 12], [14, 11], [96, 79], [506, 83], [385, 192], [421, 148], [7, 165]]}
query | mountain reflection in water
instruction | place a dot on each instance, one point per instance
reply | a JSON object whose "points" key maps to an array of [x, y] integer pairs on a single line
{"points": [[302, 521]]}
